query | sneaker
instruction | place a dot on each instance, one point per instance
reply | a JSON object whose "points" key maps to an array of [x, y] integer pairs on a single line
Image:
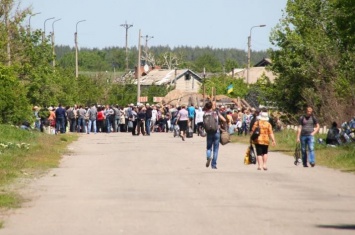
{"points": [[312, 164], [305, 165], [208, 162]]}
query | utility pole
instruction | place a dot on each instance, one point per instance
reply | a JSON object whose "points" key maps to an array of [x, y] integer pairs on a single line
{"points": [[147, 38], [139, 68], [127, 26]]}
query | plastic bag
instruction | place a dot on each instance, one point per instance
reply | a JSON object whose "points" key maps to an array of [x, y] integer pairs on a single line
{"points": [[252, 155], [246, 157]]}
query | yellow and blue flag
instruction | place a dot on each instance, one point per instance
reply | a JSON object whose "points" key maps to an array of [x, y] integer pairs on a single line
{"points": [[230, 88]]}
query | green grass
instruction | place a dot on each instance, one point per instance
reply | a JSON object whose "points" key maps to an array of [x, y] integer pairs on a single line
{"points": [[10, 200], [341, 157], [26, 154]]}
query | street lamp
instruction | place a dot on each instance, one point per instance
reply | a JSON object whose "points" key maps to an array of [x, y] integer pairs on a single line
{"points": [[53, 41], [249, 42], [44, 28], [76, 48], [29, 20]]}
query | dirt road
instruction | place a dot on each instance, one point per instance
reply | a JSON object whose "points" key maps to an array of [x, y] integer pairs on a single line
{"points": [[120, 184]]}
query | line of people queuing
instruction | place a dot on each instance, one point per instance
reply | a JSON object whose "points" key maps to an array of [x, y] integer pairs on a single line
{"points": [[137, 119]]}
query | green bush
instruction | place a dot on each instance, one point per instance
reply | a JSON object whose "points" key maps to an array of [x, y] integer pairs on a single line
{"points": [[14, 106]]}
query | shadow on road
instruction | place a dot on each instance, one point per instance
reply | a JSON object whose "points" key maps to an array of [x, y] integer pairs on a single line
{"points": [[339, 226]]}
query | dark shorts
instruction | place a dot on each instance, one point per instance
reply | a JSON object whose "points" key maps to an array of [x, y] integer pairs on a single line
{"points": [[261, 149], [182, 125]]}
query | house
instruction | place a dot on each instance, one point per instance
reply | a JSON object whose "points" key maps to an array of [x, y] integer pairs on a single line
{"points": [[183, 79], [255, 72]]}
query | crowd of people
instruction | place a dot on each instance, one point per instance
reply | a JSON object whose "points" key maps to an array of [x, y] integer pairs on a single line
{"points": [[144, 119], [138, 119]]}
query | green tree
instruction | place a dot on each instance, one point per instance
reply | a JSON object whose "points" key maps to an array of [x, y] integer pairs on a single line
{"points": [[209, 62], [307, 59], [14, 106], [220, 84]]}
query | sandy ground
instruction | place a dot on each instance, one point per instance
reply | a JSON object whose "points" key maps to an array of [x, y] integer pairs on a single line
{"points": [[119, 184]]}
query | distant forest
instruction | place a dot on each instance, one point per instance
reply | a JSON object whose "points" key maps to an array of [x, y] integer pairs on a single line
{"points": [[214, 60]]}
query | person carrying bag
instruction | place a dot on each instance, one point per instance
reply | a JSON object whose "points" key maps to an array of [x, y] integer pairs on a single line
{"points": [[263, 139]]}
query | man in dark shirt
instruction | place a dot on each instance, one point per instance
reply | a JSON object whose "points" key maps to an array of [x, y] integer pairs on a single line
{"points": [[60, 115], [148, 118], [308, 127]]}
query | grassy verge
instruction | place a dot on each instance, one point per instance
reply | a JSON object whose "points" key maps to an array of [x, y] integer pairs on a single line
{"points": [[341, 157], [26, 154]]}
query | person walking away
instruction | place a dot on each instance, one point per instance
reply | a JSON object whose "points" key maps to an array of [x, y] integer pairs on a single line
{"points": [[116, 118], [199, 120], [173, 114], [213, 137], [128, 115], [134, 120], [92, 114], [60, 119], [122, 120], [37, 118], [229, 122], [182, 121], [308, 127], [141, 116], [191, 110], [109, 114], [148, 118], [253, 119], [154, 118], [263, 140], [81, 119], [100, 120]]}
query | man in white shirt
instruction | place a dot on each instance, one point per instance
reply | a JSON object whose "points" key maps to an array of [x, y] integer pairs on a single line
{"points": [[154, 118]]}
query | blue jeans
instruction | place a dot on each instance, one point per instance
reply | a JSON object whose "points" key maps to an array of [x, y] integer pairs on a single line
{"points": [[81, 125], [213, 146], [307, 141], [92, 122], [108, 125], [147, 125], [60, 127]]}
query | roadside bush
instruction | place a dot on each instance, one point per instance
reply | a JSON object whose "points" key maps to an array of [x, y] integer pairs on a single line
{"points": [[14, 106]]}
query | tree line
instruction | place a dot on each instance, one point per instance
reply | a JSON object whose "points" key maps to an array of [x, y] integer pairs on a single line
{"points": [[214, 60]]}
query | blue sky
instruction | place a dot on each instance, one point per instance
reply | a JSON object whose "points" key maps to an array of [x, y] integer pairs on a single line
{"points": [[213, 23]]}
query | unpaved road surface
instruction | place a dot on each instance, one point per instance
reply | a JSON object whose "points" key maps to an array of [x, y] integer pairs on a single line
{"points": [[119, 184]]}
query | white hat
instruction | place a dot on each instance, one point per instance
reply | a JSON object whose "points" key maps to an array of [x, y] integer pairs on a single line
{"points": [[263, 116], [50, 108], [147, 104]]}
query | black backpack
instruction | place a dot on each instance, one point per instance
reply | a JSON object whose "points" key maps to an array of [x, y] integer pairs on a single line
{"points": [[210, 122]]}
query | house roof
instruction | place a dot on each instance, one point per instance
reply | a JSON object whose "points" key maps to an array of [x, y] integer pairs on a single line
{"points": [[255, 73], [263, 63], [164, 76]]}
